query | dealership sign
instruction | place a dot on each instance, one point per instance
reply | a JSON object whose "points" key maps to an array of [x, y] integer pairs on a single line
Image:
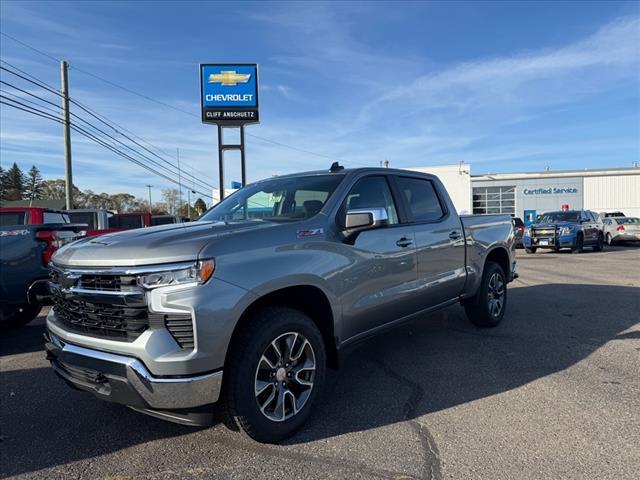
{"points": [[550, 191], [229, 93]]}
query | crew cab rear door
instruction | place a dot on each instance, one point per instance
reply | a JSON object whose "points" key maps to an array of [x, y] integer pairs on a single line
{"points": [[440, 245], [378, 286]]}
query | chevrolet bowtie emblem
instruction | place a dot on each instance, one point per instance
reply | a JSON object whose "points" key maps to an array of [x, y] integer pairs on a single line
{"points": [[229, 78]]}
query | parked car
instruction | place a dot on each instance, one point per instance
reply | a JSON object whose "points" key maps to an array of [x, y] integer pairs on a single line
{"points": [[574, 229], [621, 229], [612, 214], [130, 220], [165, 219], [25, 252], [518, 230], [31, 216], [250, 304], [97, 220]]}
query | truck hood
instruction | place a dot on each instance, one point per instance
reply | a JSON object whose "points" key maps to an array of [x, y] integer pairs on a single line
{"points": [[149, 246]]}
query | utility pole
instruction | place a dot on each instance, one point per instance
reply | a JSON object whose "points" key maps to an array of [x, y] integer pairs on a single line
{"points": [[149, 187], [68, 175]]}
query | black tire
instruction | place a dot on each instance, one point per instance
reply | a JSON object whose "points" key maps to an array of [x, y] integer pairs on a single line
{"points": [[240, 402], [599, 244], [15, 316], [579, 246], [478, 309], [530, 250], [609, 240]]}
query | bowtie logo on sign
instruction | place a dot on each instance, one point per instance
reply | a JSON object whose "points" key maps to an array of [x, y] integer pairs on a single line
{"points": [[229, 77]]}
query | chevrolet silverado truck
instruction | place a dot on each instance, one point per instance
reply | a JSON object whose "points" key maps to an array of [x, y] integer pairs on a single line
{"points": [[572, 229], [249, 305], [25, 253]]}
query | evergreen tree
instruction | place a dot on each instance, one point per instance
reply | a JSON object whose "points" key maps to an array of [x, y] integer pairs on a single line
{"points": [[14, 183], [3, 182], [200, 206], [33, 186]]}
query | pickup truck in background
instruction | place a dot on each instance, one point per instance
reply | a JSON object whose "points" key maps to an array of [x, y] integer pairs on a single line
{"points": [[166, 219], [25, 252], [250, 304], [130, 220], [573, 229], [31, 216], [96, 219]]}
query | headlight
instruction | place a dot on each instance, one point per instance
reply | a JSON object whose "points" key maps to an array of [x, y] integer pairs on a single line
{"points": [[565, 231], [198, 272]]}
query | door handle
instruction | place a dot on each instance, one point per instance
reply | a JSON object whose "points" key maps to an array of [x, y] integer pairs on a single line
{"points": [[455, 235], [404, 242]]}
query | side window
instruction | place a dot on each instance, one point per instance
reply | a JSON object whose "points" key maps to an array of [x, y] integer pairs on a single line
{"points": [[54, 217], [607, 221], [372, 192], [422, 199]]}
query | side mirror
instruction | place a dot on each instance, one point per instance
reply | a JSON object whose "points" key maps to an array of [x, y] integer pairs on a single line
{"points": [[365, 219]]}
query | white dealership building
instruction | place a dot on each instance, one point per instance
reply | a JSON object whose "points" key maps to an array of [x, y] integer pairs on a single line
{"points": [[525, 195]]}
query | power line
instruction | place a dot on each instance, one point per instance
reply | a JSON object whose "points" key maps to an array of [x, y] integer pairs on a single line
{"points": [[173, 107], [21, 106], [29, 46], [32, 79], [104, 120]]}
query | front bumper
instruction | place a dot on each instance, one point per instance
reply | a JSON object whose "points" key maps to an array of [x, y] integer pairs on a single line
{"points": [[126, 380]]}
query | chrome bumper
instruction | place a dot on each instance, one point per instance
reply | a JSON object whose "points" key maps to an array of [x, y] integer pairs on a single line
{"points": [[126, 380]]}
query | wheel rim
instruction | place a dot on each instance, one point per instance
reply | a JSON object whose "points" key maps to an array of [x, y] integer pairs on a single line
{"points": [[495, 294], [284, 376]]}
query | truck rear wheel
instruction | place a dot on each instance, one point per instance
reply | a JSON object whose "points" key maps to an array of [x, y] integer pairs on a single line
{"points": [[274, 372], [487, 308], [18, 315]]}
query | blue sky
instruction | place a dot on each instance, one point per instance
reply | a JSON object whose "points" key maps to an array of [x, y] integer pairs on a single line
{"points": [[502, 86]]}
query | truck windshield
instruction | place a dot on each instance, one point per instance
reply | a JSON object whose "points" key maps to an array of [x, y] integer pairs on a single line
{"points": [[277, 200], [552, 217]]}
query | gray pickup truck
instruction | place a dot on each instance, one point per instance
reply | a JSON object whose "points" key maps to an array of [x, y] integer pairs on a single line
{"points": [[249, 305]]}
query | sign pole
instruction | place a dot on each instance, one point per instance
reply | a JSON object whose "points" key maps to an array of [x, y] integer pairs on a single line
{"points": [[242, 159], [220, 164]]}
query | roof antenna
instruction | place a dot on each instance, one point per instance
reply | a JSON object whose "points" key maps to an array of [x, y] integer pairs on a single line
{"points": [[336, 167]]}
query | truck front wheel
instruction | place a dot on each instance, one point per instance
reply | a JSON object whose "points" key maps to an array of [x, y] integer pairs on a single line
{"points": [[18, 315], [274, 372], [487, 308]]}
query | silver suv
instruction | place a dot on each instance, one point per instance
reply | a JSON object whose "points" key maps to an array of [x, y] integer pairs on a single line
{"points": [[249, 305]]}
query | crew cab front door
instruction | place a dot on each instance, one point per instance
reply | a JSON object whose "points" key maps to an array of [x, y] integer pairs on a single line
{"points": [[378, 285], [440, 243]]}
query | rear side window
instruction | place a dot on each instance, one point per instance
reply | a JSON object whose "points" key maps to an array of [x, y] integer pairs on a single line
{"points": [[125, 222], [12, 218], [55, 217], [84, 217], [162, 220], [422, 199]]}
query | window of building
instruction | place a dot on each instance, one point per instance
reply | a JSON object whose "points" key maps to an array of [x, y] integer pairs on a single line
{"points": [[494, 200]]}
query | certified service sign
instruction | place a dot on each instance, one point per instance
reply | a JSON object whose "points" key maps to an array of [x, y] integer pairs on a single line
{"points": [[229, 93]]}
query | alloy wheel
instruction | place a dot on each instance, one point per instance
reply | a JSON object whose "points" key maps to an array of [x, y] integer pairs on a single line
{"points": [[495, 294], [285, 376]]}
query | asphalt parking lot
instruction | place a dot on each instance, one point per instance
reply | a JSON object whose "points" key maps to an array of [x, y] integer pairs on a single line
{"points": [[554, 392]]}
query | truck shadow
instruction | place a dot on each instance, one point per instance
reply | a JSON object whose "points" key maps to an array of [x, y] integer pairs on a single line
{"points": [[428, 365]]}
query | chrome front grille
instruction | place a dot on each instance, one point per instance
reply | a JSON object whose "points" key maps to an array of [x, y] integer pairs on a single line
{"points": [[111, 305], [116, 322]]}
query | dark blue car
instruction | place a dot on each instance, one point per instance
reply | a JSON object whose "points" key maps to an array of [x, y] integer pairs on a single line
{"points": [[572, 229]]}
